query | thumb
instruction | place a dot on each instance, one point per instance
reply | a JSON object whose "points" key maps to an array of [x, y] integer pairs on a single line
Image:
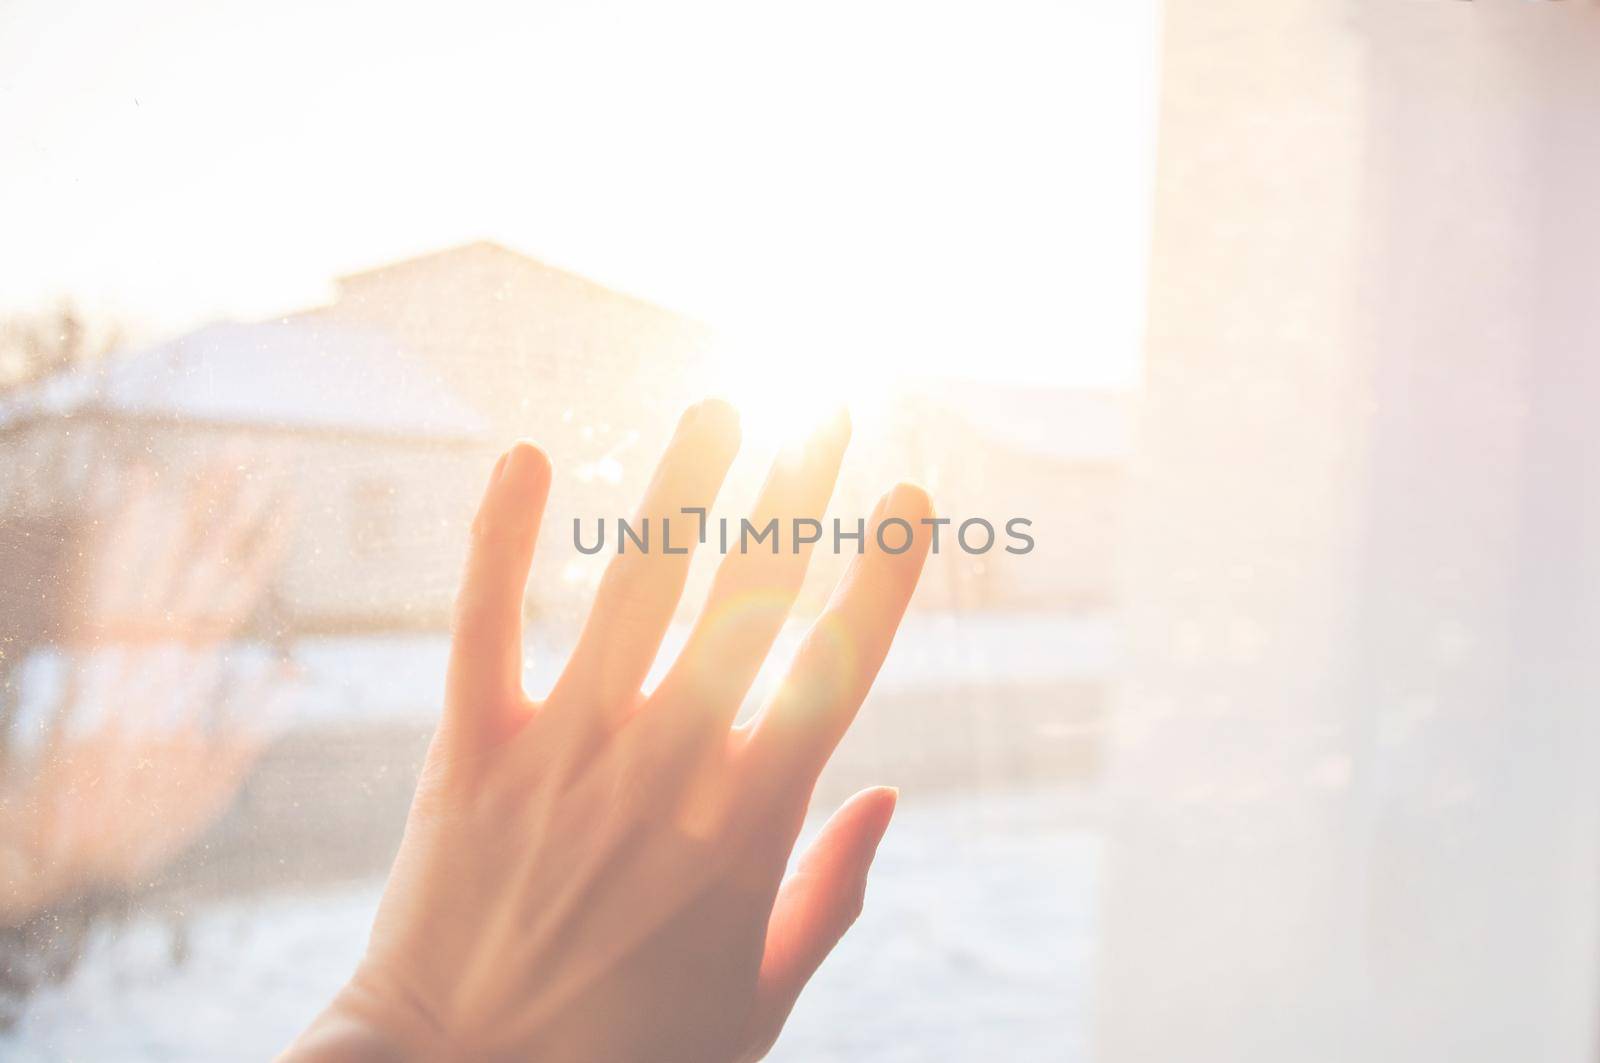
{"points": [[816, 905]]}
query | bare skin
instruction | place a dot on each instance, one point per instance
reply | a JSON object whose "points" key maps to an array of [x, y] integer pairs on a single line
{"points": [[600, 875]]}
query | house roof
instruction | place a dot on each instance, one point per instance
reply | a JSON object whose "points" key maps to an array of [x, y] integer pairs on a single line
{"points": [[296, 374], [508, 260], [482, 249]]}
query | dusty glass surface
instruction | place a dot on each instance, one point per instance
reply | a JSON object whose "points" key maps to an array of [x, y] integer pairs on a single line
{"points": [[1273, 320]]}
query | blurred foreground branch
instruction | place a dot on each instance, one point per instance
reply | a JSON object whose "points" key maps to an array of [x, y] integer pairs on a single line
{"points": [[37, 345], [132, 713]]}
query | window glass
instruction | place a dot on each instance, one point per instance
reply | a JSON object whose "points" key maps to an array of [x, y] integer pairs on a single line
{"points": [[1244, 708]]}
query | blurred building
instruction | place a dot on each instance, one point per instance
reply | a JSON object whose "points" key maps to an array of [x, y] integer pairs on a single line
{"points": [[532, 347], [382, 413], [598, 378], [1055, 457], [383, 409], [376, 461]]}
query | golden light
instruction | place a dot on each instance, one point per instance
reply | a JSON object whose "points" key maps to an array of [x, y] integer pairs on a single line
{"points": [[783, 391]]}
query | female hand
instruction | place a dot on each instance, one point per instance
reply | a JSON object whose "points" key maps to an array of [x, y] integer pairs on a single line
{"points": [[599, 876]]}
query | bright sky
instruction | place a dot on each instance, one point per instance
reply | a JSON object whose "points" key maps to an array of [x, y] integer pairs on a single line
{"points": [[955, 188]]}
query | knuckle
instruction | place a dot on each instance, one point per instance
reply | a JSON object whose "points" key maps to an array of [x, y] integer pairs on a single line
{"points": [[856, 906]]}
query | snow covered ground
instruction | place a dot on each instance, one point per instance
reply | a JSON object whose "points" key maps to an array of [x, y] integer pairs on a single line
{"points": [[976, 944], [399, 677]]}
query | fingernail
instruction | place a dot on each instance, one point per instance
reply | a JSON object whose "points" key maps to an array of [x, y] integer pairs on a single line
{"points": [[893, 793], [499, 469], [713, 417], [905, 497], [524, 453]]}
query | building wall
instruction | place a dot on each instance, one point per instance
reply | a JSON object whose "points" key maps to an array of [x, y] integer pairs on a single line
{"points": [[378, 525], [380, 530], [531, 346]]}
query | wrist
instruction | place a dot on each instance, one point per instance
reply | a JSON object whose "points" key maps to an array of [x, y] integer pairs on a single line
{"points": [[368, 1024]]}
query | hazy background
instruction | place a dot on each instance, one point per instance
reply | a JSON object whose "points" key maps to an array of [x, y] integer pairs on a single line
{"points": [[922, 183]]}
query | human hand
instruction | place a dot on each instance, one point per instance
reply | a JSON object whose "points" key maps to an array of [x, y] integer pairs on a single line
{"points": [[600, 875]]}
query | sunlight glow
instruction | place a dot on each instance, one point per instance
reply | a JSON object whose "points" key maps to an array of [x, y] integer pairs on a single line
{"points": [[784, 392], [974, 203]]}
